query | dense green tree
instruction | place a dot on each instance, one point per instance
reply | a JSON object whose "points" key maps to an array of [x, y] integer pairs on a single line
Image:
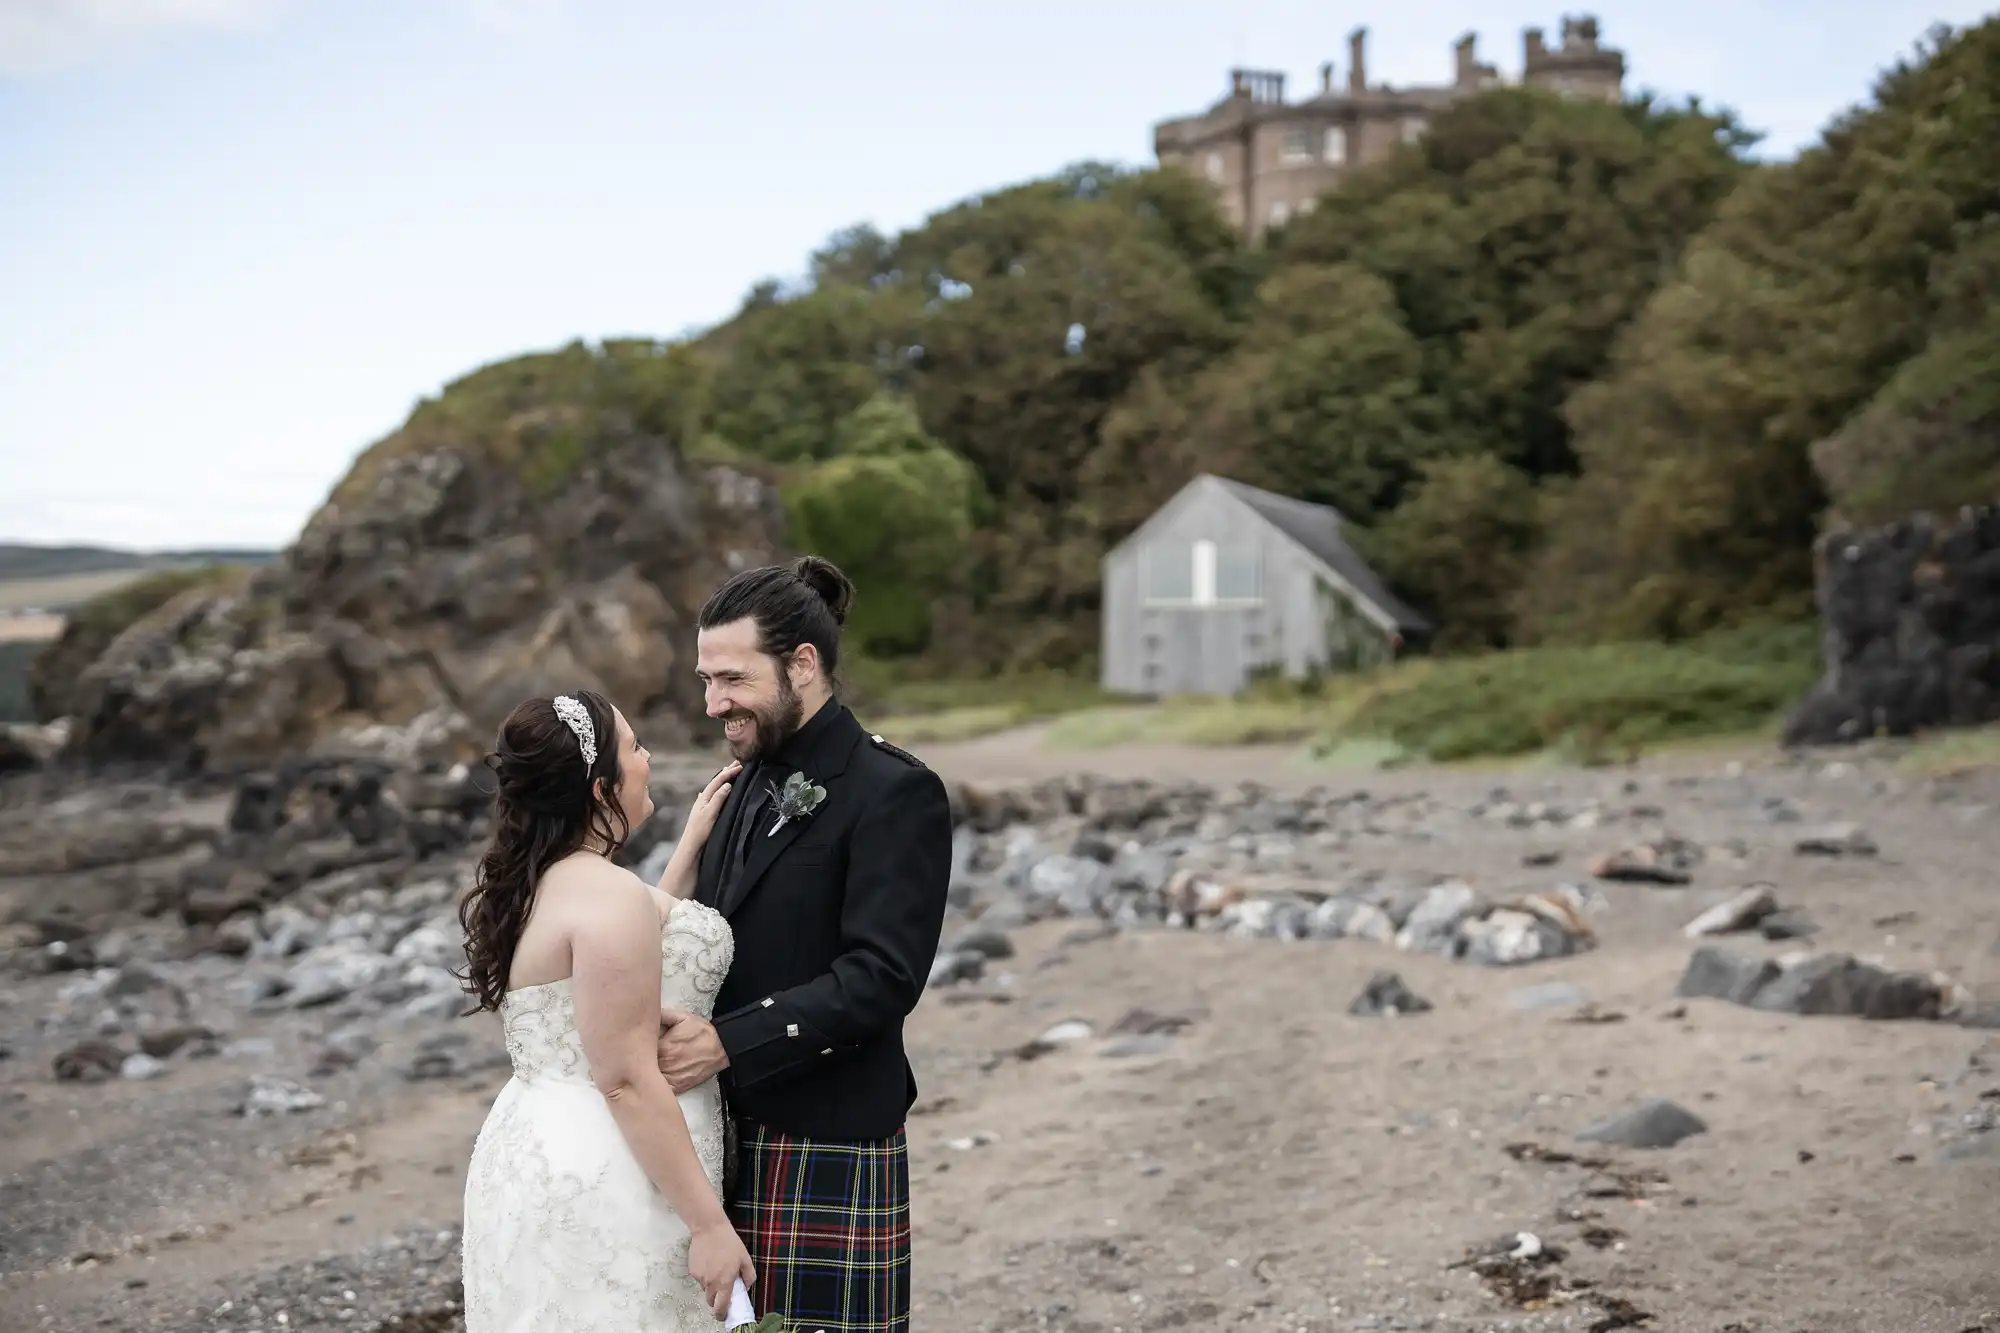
{"points": [[792, 370], [1819, 280], [1462, 540], [895, 510], [1518, 236]]}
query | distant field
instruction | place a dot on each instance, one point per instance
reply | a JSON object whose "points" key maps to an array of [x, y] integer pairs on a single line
{"points": [[47, 562], [62, 591], [29, 629]]}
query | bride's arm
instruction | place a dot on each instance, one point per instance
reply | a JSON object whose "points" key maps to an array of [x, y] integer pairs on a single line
{"points": [[616, 969]]}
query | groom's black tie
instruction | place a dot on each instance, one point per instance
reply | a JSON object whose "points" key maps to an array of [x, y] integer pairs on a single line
{"points": [[755, 797]]}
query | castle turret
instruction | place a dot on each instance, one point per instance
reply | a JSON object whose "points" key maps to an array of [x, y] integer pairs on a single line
{"points": [[1579, 67]]}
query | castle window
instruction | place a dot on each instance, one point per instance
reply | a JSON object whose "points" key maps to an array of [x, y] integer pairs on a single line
{"points": [[1413, 129], [1214, 166], [1297, 144], [1336, 144], [1281, 213]]}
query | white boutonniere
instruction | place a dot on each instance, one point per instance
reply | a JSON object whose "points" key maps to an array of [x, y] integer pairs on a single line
{"points": [[796, 800]]}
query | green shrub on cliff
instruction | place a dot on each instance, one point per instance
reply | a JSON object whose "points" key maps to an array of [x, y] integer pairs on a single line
{"points": [[546, 414], [53, 671]]}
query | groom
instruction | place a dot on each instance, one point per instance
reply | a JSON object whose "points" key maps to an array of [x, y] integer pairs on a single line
{"points": [[830, 859]]}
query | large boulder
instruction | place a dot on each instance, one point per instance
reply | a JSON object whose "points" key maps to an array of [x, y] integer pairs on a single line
{"points": [[483, 553], [1910, 617]]}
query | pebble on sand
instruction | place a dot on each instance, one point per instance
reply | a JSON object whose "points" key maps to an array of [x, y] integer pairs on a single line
{"points": [[1654, 1123]]}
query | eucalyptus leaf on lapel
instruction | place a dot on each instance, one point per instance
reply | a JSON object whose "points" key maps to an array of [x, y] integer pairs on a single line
{"points": [[796, 801]]}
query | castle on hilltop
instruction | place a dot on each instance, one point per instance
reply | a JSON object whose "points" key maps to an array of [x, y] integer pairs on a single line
{"points": [[1270, 159]]}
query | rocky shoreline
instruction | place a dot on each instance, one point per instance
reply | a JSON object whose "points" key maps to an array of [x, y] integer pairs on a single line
{"points": [[275, 948]]}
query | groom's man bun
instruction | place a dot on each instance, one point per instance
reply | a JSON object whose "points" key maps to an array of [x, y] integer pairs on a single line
{"points": [[834, 588], [803, 602]]}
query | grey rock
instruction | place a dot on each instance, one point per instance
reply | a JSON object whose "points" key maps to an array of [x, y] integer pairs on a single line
{"points": [[1721, 974], [236, 937], [1787, 924], [190, 1039], [1143, 1022], [654, 863], [140, 1066], [1071, 884], [1550, 995], [251, 989], [92, 1061], [956, 965], [1839, 984], [350, 1045], [1836, 840], [1385, 995], [1143, 870], [277, 1096], [1983, 1016], [432, 1005], [250, 1048], [1743, 912], [1968, 1149], [1655, 1123], [288, 931], [987, 943], [1006, 914], [1508, 938], [1340, 918], [1432, 926], [430, 945], [1093, 846], [1667, 860], [1149, 1043], [333, 971]]}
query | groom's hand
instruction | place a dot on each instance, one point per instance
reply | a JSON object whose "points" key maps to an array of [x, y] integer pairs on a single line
{"points": [[690, 1052]]}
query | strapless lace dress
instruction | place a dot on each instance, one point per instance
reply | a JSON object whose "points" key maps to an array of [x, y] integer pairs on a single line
{"points": [[564, 1232]]}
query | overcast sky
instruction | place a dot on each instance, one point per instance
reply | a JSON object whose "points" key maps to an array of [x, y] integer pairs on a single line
{"points": [[239, 238]]}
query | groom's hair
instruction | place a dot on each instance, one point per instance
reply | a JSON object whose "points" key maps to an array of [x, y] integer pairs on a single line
{"points": [[803, 602]]}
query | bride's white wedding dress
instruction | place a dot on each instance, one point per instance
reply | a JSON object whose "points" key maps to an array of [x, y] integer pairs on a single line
{"points": [[564, 1233]]}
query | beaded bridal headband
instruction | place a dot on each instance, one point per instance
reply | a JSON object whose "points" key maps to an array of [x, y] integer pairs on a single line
{"points": [[577, 718]]}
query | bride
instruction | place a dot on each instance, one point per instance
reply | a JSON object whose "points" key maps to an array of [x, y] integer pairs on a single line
{"points": [[592, 1202]]}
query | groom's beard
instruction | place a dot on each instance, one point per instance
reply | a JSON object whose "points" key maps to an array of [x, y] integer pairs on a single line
{"points": [[774, 725]]}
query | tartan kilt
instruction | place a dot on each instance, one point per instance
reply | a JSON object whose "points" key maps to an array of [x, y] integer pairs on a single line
{"points": [[828, 1225]]}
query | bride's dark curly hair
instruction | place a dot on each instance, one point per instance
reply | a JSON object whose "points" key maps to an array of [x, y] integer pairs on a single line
{"points": [[546, 805]]}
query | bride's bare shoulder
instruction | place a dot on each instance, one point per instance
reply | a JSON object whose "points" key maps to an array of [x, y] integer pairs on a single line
{"points": [[593, 885]]}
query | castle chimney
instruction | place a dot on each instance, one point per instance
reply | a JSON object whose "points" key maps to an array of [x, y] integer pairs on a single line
{"points": [[1531, 45], [1357, 60], [1468, 61], [1326, 77]]}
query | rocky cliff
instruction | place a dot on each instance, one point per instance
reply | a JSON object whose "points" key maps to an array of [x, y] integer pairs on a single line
{"points": [[1910, 618], [536, 528]]}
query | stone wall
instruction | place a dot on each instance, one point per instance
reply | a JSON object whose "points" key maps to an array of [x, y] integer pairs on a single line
{"points": [[1910, 617]]}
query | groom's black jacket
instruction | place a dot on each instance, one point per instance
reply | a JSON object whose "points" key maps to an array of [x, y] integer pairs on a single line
{"points": [[836, 918]]}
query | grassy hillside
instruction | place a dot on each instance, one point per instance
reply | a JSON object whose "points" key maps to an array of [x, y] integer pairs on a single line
{"points": [[1593, 704]]}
